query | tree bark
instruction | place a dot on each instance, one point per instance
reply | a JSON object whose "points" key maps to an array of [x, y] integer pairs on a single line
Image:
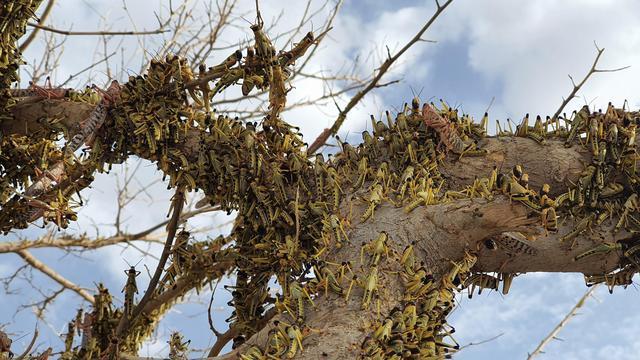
{"points": [[442, 233]]}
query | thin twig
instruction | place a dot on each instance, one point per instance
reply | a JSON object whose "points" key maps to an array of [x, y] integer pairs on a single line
{"points": [[322, 138], [71, 77], [37, 264], [30, 346], [172, 227], [577, 87], [481, 342], [554, 333], [43, 17], [39, 308], [493, 98], [98, 33], [213, 328]]}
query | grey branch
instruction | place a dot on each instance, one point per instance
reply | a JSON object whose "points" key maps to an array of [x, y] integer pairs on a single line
{"points": [[554, 333], [42, 267]]}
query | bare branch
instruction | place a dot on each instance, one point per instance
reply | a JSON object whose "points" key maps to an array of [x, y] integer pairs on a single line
{"points": [[172, 227], [481, 342], [41, 20], [73, 76], [577, 87], [553, 335], [320, 140], [30, 346], [82, 241], [96, 33], [37, 264], [88, 243], [40, 307]]}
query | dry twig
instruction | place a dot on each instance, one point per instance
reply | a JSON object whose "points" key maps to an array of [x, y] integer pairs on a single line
{"points": [[41, 21], [577, 87], [42, 267], [95, 33], [553, 335], [30, 346], [322, 138]]}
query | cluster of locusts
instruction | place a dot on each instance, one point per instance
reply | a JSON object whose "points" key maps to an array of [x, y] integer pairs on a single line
{"points": [[289, 203], [417, 328], [195, 261], [14, 16], [398, 163], [20, 155]]}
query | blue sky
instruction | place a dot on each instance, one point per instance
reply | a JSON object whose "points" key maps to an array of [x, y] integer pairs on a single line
{"points": [[519, 52]]}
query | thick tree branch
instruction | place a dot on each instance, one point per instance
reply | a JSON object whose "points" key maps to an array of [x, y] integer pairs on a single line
{"points": [[550, 163], [440, 233], [558, 164]]}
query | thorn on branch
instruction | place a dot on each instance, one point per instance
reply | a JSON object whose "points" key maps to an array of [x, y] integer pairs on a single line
{"points": [[553, 335]]}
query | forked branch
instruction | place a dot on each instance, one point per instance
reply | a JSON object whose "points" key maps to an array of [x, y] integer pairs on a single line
{"points": [[577, 87], [42, 267], [386, 65]]}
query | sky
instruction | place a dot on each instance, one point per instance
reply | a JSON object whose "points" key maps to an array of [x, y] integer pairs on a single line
{"points": [[517, 53]]}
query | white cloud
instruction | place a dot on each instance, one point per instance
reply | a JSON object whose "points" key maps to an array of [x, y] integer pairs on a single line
{"points": [[530, 47]]}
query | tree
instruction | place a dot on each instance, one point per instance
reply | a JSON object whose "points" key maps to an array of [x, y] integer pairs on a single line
{"points": [[368, 247]]}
